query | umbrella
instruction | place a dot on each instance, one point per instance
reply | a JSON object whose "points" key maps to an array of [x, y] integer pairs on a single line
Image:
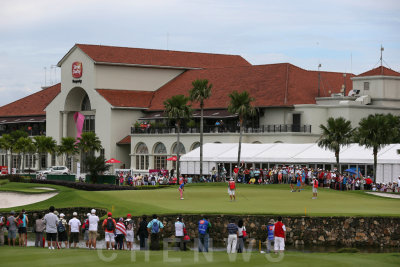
{"points": [[112, 160], [351, 170], [173, 158]]}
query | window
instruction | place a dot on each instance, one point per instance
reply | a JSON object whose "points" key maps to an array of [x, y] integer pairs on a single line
{"points": [[16, 162], [53, 160], [142, 157], [366, 85], [43, 160], [29, 161], [3, 160], [160, 161], [86, 103], [102, 153], [89, 123], [182, 149], [195, 145], [69, 163]]}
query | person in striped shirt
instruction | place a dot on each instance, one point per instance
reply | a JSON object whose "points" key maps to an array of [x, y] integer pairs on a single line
{"points": [[120, 231]]}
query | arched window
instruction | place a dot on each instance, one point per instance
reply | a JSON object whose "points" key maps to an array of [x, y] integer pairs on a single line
{"points": [[142, 157], [160, 157], [182, 149], [256, 142], [86, 103], [195, 145]]}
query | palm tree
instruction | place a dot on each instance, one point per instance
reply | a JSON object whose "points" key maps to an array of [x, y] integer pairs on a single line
{"points": [[23, 146], [240, 104], [6, 143], [336, 134], [88, 144], [177, 109], [377, 131], [95, 166], [201, 91], [45, 144], [68, 147]]}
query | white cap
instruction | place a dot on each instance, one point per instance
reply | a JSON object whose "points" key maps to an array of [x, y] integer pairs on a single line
{"points": [[93, 211], [62, 215], [88, 214], [74, 214]]}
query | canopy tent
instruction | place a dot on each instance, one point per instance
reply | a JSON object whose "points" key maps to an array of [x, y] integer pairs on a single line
{"points": [[311, 153]]}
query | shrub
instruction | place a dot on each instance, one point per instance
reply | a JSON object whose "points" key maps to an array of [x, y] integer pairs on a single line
{"points": [[348, 250], [15, 178], [3, 182]]}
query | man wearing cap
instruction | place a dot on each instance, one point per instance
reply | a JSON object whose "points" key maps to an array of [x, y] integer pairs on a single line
{"points": [[109, 225], [62, 231], [235, 172], [130, 227], [231, 189], [270, 234], [74, 226], [93, 227], [12, 228], [51, 220]]}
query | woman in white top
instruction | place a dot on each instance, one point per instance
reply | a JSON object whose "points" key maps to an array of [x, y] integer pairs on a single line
{"points": [[179, 233], [241, 228]]}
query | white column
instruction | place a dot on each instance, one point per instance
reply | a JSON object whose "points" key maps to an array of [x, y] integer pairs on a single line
{"points": [[65, 123]]}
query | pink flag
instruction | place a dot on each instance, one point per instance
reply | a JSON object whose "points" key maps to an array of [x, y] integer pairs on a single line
{"points": [[79, 119]]}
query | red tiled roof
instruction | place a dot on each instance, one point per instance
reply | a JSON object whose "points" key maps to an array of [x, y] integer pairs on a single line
{"points": [[126, 98], [166, 58], [268, 84], [125, 141], [31, 105], [381, 70]]}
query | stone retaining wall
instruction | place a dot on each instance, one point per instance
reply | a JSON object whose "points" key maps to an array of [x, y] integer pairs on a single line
{"points": [[327, 231]]}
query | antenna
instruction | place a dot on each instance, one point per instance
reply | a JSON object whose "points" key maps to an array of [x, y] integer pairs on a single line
{"points": [[319, 79], [45, 74], [382, 49], [167, 40]]}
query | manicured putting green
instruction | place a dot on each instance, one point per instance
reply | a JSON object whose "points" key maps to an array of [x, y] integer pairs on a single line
{"points": [[213, 199], [39, 257]]}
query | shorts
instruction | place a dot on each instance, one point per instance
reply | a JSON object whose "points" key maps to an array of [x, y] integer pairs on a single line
{"points": [[110, 237], [298, 183], [12, 234], [22, 230], [74, 238], [231, 192], [315, 190], [279, 243], [51, 237], [293, 181], [62, 236], [92, 235], [86, 235], [129, 236]]}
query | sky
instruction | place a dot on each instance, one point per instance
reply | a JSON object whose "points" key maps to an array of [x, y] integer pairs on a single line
{"points": [[342, 36]]}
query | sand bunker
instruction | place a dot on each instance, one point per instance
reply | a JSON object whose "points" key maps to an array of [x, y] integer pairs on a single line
{"points": [[384, 195], [45, 188], [10, 199]]}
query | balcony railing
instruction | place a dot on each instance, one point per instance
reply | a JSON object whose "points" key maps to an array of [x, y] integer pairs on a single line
{"points": [[272, 128]]}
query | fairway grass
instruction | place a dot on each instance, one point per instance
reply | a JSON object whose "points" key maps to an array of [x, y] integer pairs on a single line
{"points": [[70, 257], [213, 199]]}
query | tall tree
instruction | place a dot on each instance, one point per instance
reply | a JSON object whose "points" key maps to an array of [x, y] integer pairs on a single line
{"points": [[68, 148], [6, 143], [377, 131], [177, 109], [337, 133], [88, 144], [201, 91], [240, 104], [23, 146], [45, 145]]}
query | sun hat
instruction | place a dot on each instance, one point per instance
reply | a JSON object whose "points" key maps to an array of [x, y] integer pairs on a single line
{"points": [[12, 212], [93, 211], [62, 215], [271, 221], [231, 179], [74, 214], [109, 214], [56, 212]]}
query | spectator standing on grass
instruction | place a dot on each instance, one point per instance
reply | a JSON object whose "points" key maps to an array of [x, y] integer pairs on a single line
{"points": [[204, 233], [2, 224], [179, 234], [62, 227], [23, 234], [241, 236], [120, 232], [130, 228], [142, 232], [74, 226], [270, 235], [51, 220], [93, 227], [12, 228], [85, 230], [232, 189], [315, 188], [233, 232], [109, 225], [280, 236], [155, 228], [39, 229]]}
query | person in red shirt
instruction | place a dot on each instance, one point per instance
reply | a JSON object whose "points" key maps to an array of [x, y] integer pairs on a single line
{"points": [[280, 235], [232, 189], [235, 172], [315, 188], [109, 225]]}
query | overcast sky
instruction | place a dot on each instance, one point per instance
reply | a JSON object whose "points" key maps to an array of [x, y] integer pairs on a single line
{"points": [[341, 35]]}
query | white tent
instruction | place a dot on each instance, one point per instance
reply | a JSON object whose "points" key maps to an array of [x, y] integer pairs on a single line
{"points": [[304, 154]]}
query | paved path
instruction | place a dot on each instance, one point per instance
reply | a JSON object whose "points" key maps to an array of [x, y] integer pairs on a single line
{"points": [[384, 195]]}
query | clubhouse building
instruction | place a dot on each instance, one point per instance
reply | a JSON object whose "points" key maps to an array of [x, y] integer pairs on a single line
{"points": [[119, 93]]}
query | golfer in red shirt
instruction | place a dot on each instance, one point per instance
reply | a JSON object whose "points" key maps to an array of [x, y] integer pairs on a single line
{"points": [[280, 235], [232, 189]]}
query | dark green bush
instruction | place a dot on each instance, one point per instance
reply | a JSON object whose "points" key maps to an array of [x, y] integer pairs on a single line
{"points": [[348, 250]]}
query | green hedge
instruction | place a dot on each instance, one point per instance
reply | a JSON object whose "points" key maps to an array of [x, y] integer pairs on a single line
{"points": [[102, 179], [61, 177]]}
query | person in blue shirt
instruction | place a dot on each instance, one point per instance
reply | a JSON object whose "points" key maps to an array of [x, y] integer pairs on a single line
{"points": [[155, 227], [204, 226], [181, 189], [23, 234], [270, 235]]}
